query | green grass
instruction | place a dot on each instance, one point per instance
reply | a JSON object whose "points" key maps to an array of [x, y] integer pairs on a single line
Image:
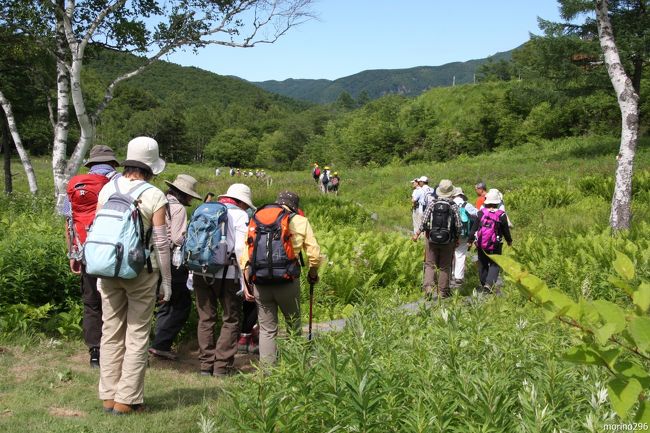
{"points": [[489, 366]]}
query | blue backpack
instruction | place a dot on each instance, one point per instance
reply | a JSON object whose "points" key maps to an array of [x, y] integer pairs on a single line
{"points": [[116, 246], [205, 249]]}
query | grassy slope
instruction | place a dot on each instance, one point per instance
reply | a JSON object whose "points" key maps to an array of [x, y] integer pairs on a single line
{"points": [[47, 387]]}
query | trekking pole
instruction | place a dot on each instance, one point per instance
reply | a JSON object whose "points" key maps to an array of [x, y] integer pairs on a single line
{"points": [[311, 309]]}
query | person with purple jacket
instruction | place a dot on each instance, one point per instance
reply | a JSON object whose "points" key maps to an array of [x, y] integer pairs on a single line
{"points": [[488, 232]]}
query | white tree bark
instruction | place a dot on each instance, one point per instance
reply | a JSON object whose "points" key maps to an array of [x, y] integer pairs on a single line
{"points": [[628, 101], [62, 124], [24, 156]]}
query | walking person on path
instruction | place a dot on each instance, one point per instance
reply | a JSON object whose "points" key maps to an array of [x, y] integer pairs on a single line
{"points": [[426, 193], [415, 205], [481, 192], [128, 304], [468, 215], [488, 232], [172, 315], [217, 355], [79, 209], [277, 284], [442, 225]]}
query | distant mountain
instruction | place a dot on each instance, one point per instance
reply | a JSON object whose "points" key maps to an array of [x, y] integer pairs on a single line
{"points": [[379, 82], [166, 80]]}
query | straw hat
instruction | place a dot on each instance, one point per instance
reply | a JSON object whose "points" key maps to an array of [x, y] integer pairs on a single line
{"points": [[99, 154], [493, 197], [445, 189], [142, 152], [185, 184], [240, 192]]}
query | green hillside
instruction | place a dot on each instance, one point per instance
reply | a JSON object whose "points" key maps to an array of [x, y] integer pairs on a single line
{"points": [[380, 82]]}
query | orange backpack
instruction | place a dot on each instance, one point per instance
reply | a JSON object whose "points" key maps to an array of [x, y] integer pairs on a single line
{"points": [[272, 259]]}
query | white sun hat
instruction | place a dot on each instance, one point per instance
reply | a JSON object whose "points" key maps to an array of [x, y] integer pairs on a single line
{"points": [[423, 179], [240, 192], [142, 152], [493, 197]]}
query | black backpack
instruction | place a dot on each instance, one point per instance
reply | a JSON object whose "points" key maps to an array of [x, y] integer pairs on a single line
{"points": [[441, 223]]}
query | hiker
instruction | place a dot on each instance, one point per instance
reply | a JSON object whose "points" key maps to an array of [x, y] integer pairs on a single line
{"points": [[415, 204], [217, 356], [488, 232], [172, 315], [468, 214], [231, 171], [128, 304], [315, 173], [333, 185], [79, 209], [442, 225], [277, 284], [481, 192], [324, 179], [426, 193]]}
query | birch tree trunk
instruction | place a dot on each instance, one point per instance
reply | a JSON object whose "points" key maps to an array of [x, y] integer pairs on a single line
{"points": [[628, 101], [62, 123], [24, 156], [6, 156]]}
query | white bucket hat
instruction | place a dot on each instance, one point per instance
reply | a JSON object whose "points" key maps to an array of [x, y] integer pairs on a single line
{"points": [[493, 197], [185, 184], [445, 189], [142, 152], [423, 179], [240, 192]]}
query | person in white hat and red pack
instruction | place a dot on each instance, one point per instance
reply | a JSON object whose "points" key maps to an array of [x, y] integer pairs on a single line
{"points": [[217, 355], [128, 304], [172, 315]]}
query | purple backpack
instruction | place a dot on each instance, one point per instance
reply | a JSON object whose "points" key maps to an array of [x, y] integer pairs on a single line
{"points": [[488, 236]]}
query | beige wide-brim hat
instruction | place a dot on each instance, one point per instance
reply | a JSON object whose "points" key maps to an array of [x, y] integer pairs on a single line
{"points": [[185, 184], [143, 152], [458, 191], [445, 189], [240, 192], [493, 197]]}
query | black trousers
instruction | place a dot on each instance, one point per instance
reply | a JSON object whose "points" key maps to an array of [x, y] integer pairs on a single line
{"points": [[171, 316], [92, 315], [250, 317], [488, 271]]}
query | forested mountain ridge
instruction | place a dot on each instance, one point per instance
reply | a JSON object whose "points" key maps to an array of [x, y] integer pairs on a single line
{"points": [[164, 79], [379, 82]]}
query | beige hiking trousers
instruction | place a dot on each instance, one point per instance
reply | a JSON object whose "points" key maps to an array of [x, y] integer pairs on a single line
{"points": [[127, 307], [269, 298]]}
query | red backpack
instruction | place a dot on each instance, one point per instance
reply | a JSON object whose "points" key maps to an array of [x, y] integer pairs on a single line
{"points": [[83, 193]]}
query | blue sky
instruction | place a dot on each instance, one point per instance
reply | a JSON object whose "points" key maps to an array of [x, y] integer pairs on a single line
{"points": [[355, 35]]}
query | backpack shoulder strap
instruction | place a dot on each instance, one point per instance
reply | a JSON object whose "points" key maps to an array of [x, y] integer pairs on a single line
{"points": [[138, 189]]}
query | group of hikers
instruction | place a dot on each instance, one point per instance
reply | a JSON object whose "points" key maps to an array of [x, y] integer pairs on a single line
{"points": [[327, 180], [452, 226], [134, 248], [258, 173]]}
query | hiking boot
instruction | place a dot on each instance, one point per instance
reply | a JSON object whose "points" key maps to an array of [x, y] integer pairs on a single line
{"points": [[223, 372], [108, 405], [166, 354], [205, 372], [94, 357], [253, 347], [128, 409], [243, 343]]}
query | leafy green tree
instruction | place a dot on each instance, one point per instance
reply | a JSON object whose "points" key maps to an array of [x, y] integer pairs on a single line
{"points": [[346, 101], [233, 148]]}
